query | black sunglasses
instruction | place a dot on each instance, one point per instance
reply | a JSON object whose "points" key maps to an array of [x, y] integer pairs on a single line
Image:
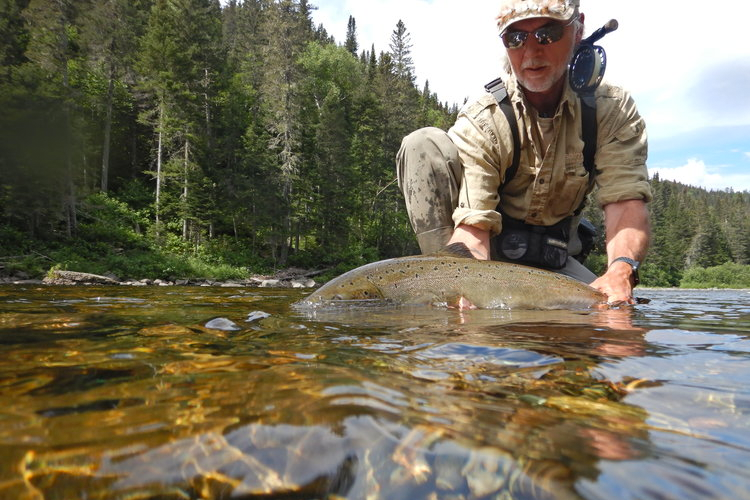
{"points": [[547, 34]]}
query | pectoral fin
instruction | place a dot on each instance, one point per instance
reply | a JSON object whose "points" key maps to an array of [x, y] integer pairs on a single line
{"points": [[457, 249]]}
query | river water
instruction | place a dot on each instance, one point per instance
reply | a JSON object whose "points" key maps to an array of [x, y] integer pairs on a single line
{"points": [[173, 393]]}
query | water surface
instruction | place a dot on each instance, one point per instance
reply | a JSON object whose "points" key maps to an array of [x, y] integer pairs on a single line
{"points": [[162, 393]]}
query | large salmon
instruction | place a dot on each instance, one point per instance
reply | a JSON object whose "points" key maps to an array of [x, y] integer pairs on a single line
{"points": [[444, 279]]}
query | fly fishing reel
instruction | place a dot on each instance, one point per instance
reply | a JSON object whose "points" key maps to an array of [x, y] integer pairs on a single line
{"points": [[586, 68]]}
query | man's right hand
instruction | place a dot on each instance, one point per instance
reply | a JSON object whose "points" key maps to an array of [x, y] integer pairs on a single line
{"points": [[476, 240]]}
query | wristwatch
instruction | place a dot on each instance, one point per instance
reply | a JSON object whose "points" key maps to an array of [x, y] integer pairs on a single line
{"points": [[634, 264]]}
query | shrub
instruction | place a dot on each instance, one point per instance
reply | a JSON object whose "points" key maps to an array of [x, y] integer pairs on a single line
{"points": [[727, 275], [109, 221]]}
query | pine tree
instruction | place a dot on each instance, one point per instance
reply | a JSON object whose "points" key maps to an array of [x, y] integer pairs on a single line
{"points": [[351, 37], [401, 52], [286, 29]]}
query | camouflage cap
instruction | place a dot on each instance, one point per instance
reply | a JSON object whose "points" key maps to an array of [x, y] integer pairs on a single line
{"points": [[512, 11]]}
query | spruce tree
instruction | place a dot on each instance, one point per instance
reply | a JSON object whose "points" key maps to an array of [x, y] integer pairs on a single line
{"points": [[401, 52], [286, 28], [351, 37]]}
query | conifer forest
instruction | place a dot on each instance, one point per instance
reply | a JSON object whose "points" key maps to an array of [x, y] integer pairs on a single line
{"points": [[167, 138]]}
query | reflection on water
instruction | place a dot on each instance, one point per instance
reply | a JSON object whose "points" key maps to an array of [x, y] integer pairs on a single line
{"points": [[216, 393]]}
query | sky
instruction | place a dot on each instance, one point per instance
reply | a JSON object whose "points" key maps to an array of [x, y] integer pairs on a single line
{"points": [[687, 66]]}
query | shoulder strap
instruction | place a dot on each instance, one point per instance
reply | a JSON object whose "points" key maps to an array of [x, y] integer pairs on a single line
{"points": [[589, 126], [498, 90]]}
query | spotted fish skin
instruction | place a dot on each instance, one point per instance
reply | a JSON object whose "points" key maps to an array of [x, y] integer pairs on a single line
{"points": [[444, 279]]}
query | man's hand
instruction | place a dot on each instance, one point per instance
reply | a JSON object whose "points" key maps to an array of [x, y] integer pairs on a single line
{"points": [[616, 283], [476, 240], [628, 232]]}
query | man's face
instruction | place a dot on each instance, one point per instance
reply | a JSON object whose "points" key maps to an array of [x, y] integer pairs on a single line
{"points": [[539, 67]]}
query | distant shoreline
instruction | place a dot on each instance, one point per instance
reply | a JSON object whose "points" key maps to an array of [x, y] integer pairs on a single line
{"points": [[290, 278]]}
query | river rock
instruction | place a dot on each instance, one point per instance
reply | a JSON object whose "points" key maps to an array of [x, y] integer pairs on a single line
{"points": [[223, 324], [59, 277], [303, 283]]}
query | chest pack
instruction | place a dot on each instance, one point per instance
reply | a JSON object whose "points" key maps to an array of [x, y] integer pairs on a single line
{"points": [[545, 246]]}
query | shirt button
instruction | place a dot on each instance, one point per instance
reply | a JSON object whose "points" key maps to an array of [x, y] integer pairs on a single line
{"points": [[541, 181]]}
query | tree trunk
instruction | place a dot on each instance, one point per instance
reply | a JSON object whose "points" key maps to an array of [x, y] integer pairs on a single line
{"points": [[70, 202], [185, 162], [158, 165], [107, 130], [206, 106], [286, 238]]}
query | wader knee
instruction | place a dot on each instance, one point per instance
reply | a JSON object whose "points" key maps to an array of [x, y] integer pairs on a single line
{"points": [[429, 173]]}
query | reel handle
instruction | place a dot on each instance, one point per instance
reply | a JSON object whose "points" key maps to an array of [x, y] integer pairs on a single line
{"points": [[597, 35]]}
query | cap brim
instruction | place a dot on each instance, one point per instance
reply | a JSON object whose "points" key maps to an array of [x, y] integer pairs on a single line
{"points": [[563, 16]]}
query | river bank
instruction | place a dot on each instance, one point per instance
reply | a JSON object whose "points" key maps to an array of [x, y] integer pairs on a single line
{"points": [[287, 278]]}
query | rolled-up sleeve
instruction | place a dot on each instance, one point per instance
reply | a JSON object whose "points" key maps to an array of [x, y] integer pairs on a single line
{"points": [[477, 134], [622, 149]]}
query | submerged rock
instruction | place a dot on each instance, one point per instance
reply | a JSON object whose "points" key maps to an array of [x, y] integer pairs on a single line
{"points": [[257, 315], [223, 324]]}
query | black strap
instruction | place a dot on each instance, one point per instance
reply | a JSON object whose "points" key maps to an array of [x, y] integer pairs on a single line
{"points": [[589, 126], [498, 90]]}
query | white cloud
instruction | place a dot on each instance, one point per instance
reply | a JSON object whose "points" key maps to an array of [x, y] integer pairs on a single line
{"points": [[696, 173], [747, 155]]}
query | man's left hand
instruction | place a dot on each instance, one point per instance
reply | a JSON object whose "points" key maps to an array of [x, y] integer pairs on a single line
{"points": [[628, 233], [616, 283]]}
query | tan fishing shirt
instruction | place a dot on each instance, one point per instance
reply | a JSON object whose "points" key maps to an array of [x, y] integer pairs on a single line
{"points": [[551, 180]]}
